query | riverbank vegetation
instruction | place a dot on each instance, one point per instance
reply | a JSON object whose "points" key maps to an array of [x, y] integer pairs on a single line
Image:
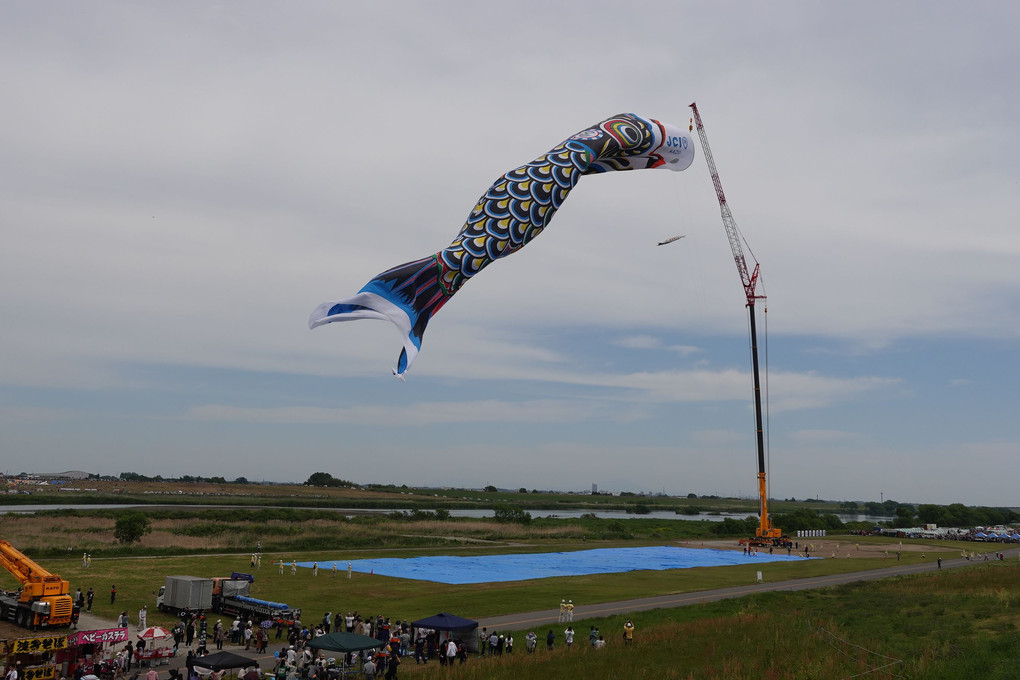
{"points": [[322, 490], [58, 533]]}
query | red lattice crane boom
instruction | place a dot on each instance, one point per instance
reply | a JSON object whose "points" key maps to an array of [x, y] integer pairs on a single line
{"points": [[766, 532]]}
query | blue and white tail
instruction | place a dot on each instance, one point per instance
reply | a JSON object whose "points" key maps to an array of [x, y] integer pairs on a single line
{"points": [[407, 296]]}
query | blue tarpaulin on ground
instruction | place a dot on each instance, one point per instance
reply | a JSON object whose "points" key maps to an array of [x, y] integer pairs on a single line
{"points": [[497, 568]]}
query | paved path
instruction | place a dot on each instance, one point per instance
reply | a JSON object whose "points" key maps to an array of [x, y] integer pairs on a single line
{"points": [[551, 616]]}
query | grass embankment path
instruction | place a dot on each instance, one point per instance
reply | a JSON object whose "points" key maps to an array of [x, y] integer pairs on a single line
{"points": [[542, 618]]}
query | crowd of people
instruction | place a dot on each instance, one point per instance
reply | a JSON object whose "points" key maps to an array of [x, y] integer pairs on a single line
{"points": [[298, 660], [398, 640]]}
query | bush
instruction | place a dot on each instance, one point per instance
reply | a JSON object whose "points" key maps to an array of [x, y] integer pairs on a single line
{"points": [[735, 527], [507, 514], [130, 527]]}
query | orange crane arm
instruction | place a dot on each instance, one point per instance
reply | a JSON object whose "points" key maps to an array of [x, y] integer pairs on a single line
{"points": [[35, 581]]}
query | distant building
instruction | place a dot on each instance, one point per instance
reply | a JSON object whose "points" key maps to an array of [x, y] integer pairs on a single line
{"points": [[594, 489], [70, 474]]}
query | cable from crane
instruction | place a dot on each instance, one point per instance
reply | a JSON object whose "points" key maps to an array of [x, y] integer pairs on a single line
{"points": [[768, 428]]}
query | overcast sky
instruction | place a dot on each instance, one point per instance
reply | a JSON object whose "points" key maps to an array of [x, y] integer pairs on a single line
{"points": [[182, 183]]}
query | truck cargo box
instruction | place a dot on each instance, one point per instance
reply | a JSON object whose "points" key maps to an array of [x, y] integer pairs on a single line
{"points": [[188, 592]]}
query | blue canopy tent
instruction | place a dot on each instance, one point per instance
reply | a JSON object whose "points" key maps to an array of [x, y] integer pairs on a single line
{"points": [[456, 627]]}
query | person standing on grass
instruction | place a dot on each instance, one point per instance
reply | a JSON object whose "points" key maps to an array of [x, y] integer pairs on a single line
{"points": [[550, 640], [113, 594], [142, 618], [451, 652], [530, 642], [393, 662], [568, 635], [89, 597], [419, 650], [628, 632]]}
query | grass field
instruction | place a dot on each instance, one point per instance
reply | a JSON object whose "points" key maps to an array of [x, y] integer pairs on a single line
{"points": [[941, 624], [937, 625], [218, 542]]}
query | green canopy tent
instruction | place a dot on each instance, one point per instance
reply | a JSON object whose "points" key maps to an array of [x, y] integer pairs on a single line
{"points": [[345, 642], [223, 660]]}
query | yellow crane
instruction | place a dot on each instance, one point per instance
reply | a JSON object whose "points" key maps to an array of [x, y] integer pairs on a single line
{"points": [[765, 533], [43, 600]]}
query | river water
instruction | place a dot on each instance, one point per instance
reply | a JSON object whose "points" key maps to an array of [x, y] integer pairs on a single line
{"points": [[477, 513]]}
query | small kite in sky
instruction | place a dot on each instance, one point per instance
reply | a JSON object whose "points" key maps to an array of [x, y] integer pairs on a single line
{"points": [[515, 209]]}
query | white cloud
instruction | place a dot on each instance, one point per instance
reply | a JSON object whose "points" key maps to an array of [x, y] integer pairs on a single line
{"points": [[182, 184]]}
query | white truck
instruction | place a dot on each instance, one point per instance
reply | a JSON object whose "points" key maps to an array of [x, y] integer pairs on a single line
{"points": [[222, 595], [185, 592]]}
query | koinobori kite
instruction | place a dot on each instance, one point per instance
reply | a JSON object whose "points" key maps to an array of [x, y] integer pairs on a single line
{"points": [[515, 209]]}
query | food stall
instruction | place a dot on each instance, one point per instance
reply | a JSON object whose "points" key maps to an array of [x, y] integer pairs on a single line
{"points": [[34, 657], [159, 646], [87, 649]]}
